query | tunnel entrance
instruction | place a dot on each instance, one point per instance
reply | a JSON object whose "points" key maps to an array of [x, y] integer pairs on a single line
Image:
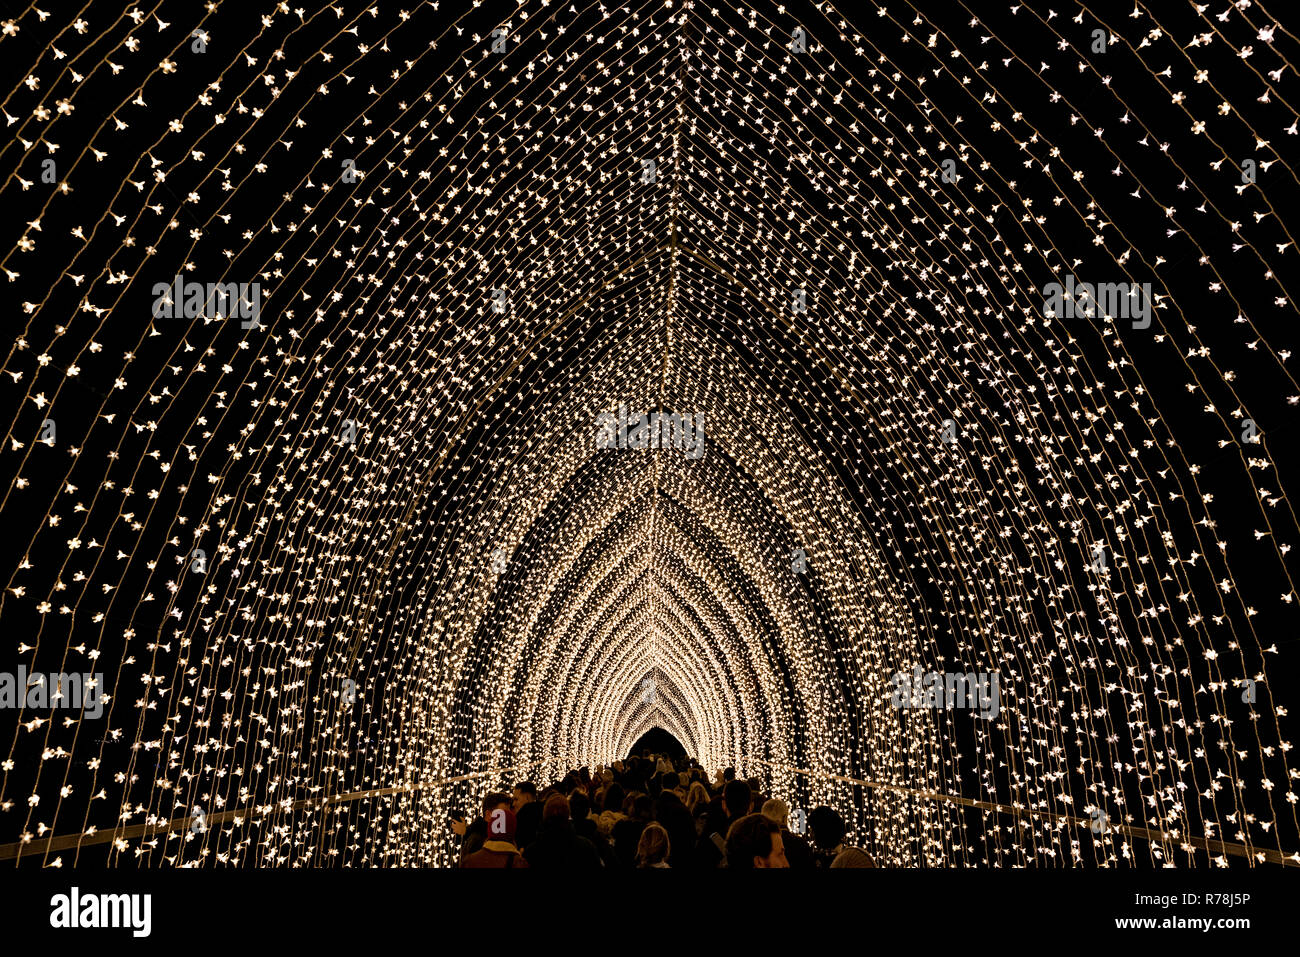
{"points": [[658, 741]]}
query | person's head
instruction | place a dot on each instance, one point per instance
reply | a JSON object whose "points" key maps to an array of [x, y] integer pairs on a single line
{"points": [[697, 795], [776, 811], [613, 798], [670, 781], [556, 808], [524, 793], [653, 848], [853, 857], [667, 806], [579, 805], [494, 800], [735, 798], [501, 824], [826, 827], [643, 807], [754, 841], [729, 774]]}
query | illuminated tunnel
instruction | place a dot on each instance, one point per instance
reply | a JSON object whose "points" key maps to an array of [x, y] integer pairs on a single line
{"points": [[334, 327]]}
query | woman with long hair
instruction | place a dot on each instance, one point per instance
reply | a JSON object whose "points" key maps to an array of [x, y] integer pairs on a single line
{"points": [[653, 849], [697, 795]]}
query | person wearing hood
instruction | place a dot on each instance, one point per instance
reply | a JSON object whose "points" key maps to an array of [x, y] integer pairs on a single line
{"points": [[498, 848]]}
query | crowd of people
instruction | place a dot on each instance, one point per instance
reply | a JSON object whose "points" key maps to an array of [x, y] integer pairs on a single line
{"points": [[649, 812]]}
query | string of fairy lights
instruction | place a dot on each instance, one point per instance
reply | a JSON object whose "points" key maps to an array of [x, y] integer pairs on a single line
{"points": [[347, 568]]}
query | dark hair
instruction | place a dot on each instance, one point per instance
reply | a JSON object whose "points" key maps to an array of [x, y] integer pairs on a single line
{"points": [[494, 800], [729, 774], [556, 806], [826, 827], [643, 807], [527, 787], [737, 795], [580, 805], [670, 780], [667, 801], [614, 795], [750, 837]]}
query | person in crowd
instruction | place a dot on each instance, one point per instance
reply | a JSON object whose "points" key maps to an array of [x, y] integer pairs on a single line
{"points": [[711, 849], [528, 811], [697, 795], [653, 849], [612, 813], [580, 811], [703, 815], [797, 851], [672, 815], [626, 834], [754, 841], [828, 832], [472, 835], [853, 857], [826, 828], [558, 845], [499, 848], [584, 822], [672, 781]]}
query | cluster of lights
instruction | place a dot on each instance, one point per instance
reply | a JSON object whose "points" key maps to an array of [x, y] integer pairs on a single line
{"points": [[348, 569]]}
